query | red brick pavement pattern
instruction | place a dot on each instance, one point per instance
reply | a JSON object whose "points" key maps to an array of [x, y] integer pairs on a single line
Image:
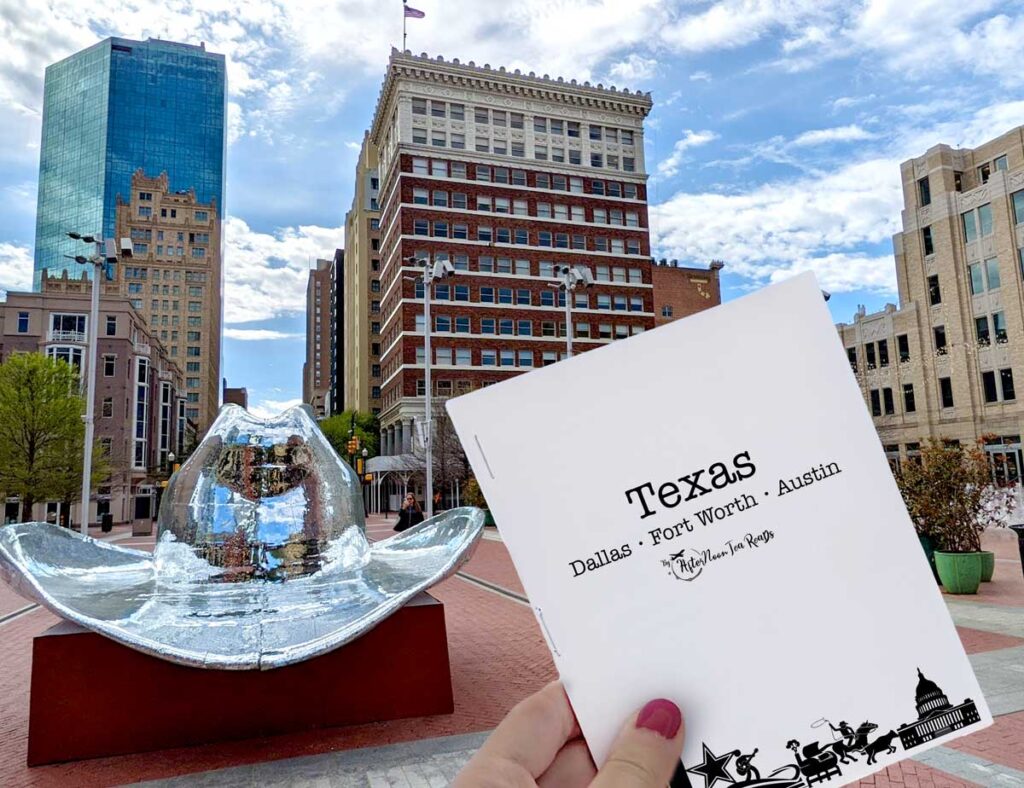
{"points": [[1002, 743], [977, 640], [910, 774], [9, 601]]}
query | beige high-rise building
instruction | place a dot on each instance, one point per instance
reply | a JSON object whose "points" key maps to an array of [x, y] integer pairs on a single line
{"points": [[360, 318], [174, 280], [316, 369], [946, 363]]}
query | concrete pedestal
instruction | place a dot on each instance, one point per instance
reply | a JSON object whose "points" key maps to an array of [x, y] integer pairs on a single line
{"points": [[92, 697]]}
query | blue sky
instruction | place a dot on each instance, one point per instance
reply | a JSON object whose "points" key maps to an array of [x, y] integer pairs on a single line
{"points": [[774, 145]]}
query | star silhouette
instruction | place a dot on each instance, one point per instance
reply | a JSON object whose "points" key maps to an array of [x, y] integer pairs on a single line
{"points": [[714, 768]]}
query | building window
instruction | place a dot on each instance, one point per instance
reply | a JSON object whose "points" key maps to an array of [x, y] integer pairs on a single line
{"points": [[946, 392], [107, 411], [887, 403], [988, 385], [109, 366], [999, 327], [869, 354], [939, 332], [934, 291], [909, 406], [924, 192], [1006, 379], [926, 237], [883, 353], [876, 403], [981, 330], [22, 322], [903, 347], [851, 354]]}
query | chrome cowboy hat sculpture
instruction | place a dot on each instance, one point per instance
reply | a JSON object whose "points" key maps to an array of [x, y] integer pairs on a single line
{"points": [[261, 557]]}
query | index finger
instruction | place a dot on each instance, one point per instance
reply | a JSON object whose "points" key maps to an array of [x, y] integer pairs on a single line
{"points": [[534, 731]]}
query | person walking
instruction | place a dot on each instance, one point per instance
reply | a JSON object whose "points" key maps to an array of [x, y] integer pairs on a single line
{"points": [[410, 514]]}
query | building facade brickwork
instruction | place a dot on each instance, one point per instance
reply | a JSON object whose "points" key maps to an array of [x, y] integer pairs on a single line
{"points": [[316, 369], [140, 393], [361, 312], [505, 176], [946, 363], [681, 290], [174, 279]]}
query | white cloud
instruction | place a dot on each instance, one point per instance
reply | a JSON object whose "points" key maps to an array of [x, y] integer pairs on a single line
{"points": [[265, 274], [258, 334], [834, 221], [634, 69], [271, 408], [700, 76], [837, 134], [15, 267], [690, 139], [844, 102]]}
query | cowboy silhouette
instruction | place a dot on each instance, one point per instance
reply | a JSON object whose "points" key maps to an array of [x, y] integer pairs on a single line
{"points": [[844, 728]]}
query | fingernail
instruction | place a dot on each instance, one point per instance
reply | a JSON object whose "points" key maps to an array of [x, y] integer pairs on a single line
{"points": [[661, 716]]}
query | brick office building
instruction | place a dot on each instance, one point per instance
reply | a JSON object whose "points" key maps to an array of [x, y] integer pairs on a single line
{"points": [[505, 175], [681, 290], [140, 396]]}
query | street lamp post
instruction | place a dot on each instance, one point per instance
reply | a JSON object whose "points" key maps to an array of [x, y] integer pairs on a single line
{"points": [[441, 269], [105, 251], [571, 278]]}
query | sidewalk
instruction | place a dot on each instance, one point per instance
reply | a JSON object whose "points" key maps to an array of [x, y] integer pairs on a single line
{"points": [[498, 656]]}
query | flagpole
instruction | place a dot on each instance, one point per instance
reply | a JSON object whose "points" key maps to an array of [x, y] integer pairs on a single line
{"points": [[403, 24]]}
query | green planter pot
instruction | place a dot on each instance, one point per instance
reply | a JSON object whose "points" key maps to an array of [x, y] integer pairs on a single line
{"points": [[929, 552], [960, 573], [488, 517], [988, 566]]}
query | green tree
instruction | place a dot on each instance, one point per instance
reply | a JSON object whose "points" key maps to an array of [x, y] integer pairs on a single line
{"points": [[41, 430], [338, 429]]}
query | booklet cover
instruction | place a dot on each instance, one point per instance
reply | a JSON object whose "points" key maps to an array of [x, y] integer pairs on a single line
{"points": [[704, 512]]}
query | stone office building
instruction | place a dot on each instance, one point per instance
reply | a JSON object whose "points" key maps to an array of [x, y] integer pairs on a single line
{"points": [[140, 394], [360, 318], [946, 362], [505, 175], [174, 280]]}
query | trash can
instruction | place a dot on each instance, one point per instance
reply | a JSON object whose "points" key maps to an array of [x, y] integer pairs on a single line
{"points": [[1019, 530], [107, 523]]}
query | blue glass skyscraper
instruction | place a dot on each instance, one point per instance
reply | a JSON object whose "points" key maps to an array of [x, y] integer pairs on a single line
{"points": [[116, 107]]}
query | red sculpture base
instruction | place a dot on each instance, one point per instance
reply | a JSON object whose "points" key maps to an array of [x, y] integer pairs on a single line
{"points": [[92, 697]]}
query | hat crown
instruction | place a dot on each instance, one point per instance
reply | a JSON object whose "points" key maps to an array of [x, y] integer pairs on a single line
{"points": [[261, 500]]}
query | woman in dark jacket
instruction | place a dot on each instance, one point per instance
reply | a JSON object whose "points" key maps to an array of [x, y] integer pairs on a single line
{"points": [[410, 514]]}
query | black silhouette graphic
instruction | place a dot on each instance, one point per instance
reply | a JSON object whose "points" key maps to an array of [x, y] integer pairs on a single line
{"points": [[844, 728], [744, 768], [716, 767], [936, 716], [883, 742], [816, 764]]}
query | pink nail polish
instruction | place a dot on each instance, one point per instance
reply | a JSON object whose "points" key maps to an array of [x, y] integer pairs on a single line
{"points": [[661, 716]]}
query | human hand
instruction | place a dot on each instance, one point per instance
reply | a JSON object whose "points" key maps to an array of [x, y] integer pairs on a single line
{"points": [[539, 744]]}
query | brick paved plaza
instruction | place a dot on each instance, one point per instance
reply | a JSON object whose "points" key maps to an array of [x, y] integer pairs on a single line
{"points": [[497, 656]]}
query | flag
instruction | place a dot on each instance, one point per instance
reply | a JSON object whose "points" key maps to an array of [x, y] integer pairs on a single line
{"points": [[413, 13]]}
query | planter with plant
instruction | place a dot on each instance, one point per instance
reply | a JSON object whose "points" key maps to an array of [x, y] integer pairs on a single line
{"points": [[474, 496], [951, 499]]}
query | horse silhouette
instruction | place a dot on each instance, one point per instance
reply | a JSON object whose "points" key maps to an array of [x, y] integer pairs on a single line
{"points": [[882, 743]]}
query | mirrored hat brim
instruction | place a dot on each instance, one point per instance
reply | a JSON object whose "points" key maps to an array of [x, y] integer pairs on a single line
{"points": [[120, 593]]}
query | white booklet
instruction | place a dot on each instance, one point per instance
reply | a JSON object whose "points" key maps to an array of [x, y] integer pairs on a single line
{"points": [[703, 512]]}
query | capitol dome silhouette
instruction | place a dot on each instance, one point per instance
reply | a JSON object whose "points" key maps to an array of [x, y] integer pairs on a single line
{"points": [[930, 698]]}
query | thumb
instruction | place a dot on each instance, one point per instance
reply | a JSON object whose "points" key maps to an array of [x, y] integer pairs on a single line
{"points": [[647, 751]]}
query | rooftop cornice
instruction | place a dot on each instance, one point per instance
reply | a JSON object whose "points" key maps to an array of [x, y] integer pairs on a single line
{"points": [[499, 80]]}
